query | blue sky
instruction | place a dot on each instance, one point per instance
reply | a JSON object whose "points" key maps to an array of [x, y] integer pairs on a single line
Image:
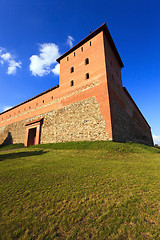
{"points": [[34, 32]]}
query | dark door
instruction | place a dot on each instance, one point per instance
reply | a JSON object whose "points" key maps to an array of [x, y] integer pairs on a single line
{"points": [[31, 137]]}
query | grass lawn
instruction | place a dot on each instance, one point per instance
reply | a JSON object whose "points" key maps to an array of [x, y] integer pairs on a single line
{"points": [[87, 190], [11, 146]]}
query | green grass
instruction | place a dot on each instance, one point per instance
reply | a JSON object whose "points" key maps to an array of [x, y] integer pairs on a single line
{"points": [[11, 146], [87, 190], [99, 145]]}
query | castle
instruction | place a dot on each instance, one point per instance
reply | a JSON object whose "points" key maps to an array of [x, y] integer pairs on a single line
{"points": [[90, 102]]}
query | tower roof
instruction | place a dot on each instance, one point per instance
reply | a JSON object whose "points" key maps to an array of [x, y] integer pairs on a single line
{"points": [[103, 28]]}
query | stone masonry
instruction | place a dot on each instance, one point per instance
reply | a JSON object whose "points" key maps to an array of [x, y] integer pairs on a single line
{"points": [[80, 121]]}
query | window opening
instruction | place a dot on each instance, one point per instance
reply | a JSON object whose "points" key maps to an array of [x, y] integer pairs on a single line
{"points": [[86, 61], [82, 49], [72, 69], [87, 75], [72, 83], [90, 43]]}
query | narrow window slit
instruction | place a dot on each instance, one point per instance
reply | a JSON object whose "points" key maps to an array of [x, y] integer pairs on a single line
{"points": [[72, 69], [87, 75], [72, 83], [86, 61]]}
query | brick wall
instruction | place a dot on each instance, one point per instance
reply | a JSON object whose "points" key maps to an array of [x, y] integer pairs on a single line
{"points": [[77, 121]]}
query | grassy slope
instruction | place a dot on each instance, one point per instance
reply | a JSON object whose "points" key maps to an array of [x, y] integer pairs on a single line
{"points": [[84, 190], [11, 146]]}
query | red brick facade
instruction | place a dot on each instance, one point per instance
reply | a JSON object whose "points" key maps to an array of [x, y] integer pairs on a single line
{"points": [[90, 80]]}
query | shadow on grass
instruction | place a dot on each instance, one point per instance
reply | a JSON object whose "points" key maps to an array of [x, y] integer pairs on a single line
{"points": [[21, 154], [11, 147]]}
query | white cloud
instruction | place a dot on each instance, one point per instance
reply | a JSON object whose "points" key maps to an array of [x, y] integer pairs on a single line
{"points": [[70, 41], [6, 56], [156, 139], [42, 64], [56, 69], [13, 66], [9, 59], [5, 108]]}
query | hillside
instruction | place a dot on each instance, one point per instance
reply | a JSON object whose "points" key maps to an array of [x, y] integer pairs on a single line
{"points": [[82, 190]]}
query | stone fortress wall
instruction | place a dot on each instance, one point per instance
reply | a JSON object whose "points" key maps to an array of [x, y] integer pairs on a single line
{"points": [[89, 103], [128, 123]]}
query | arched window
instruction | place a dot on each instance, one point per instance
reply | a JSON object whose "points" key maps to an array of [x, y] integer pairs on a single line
{"points": [[86, 61], [72, 83], [72, 69]]}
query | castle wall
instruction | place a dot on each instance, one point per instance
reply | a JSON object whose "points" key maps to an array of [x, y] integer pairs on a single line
{"points": [[128, 127], [128, 124], [77, 121]]}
